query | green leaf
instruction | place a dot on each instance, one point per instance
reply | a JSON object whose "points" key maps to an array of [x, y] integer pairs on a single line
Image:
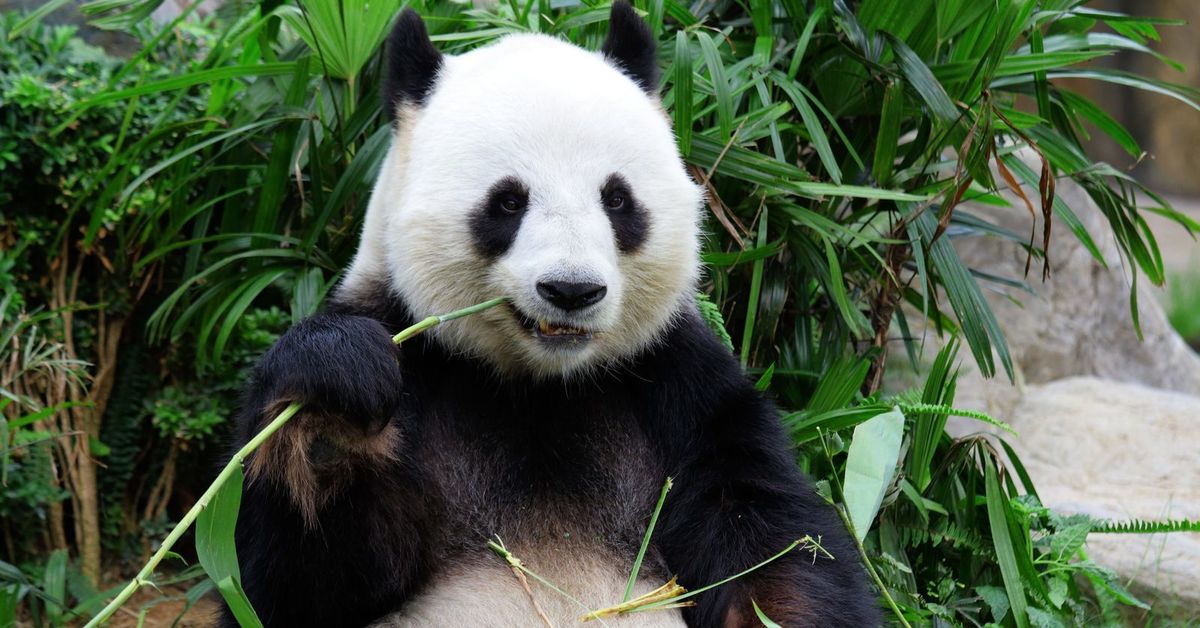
{"points": [[344, 34], [996, 599], [1044, 619], [198, 77], [33, 17], [887, 140], [979, 325], [1187, 95], [922, 80], [1138, 526], [764, 381], [870, 467], [683, 92], [997, 509], [233, 315], [755, 291], [816, 132], [278, 173], [54, 583], [734, 258], [217, 551], [766, 621], [716, 75], [1105, 580]]}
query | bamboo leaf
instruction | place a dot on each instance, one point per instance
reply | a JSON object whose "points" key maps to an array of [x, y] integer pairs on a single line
{"points": [[683, 92], [922, 80], [815, 131], [766, 621], [870, 467], [979, 325], [716, 75], [198, 77], [886, 141], [217, 551], [997, 509]]}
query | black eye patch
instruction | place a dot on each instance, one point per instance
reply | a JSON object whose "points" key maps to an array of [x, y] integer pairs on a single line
{"points": [[496, 220], [625, 213]]}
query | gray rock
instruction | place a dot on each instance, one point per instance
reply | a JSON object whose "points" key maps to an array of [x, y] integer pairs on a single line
{"points": [[1078, 322], [1118, 451]]}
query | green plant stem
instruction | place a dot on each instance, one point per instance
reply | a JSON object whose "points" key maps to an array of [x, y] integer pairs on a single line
{"points": [[862, 552], [807, 541], [143, 576], [434, 321], [637, 562]]}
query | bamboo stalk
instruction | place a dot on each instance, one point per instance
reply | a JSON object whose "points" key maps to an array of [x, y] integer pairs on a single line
{"points": [[637, 562], [143, 576]]}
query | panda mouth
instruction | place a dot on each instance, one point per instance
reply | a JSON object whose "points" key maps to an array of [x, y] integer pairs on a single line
{"points": [[552, 332]]}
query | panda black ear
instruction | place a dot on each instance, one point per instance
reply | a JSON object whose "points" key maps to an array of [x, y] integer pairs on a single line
{"points": [[412, 63], [631, 47]]}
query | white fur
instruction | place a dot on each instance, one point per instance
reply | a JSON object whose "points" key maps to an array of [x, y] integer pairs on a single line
{"points": [[484, 591], [561, 120]]}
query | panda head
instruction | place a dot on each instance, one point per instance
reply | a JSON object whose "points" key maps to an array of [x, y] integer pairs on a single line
{"points": [[538, 171]]}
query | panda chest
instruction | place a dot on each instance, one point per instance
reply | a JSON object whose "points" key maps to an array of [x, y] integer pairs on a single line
{"points": [[568, 494], [578, 471]]}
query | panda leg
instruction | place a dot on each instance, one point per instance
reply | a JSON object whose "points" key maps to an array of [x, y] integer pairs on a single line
{"points": [[739, 499]]}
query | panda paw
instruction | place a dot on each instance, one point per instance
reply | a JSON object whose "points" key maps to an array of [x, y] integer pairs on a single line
{"points": [[339, 366]]}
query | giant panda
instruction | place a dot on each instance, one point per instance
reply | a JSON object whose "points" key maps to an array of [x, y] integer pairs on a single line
{"points": [[541, 172]]}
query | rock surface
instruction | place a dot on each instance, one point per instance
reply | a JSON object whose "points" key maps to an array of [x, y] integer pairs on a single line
{"points": [[1119, 451], [1077, 322]]}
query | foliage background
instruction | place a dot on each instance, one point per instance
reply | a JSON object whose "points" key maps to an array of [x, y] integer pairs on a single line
{"points": [[166, 215]]}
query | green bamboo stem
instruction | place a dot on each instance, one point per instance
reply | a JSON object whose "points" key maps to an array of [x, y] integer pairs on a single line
{"points": [[143, 576], [434, 321], [807, 543], [862, 552], [637, 562]]}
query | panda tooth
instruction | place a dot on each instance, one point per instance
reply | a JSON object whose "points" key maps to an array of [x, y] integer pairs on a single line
{"points": [[544, 327]]}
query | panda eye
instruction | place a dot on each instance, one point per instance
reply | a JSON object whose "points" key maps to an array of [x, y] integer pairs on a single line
{"points": [[615, 201], [510, 204]]}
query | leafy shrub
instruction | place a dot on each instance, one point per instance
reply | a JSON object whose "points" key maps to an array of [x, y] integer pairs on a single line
{"points": [[65, 249]]}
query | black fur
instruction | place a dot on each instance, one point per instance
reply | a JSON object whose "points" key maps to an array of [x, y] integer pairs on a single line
{"points": [[412, 64], [683, 408], [631, 47], [352, 369], [629, 220], [495, 222]]}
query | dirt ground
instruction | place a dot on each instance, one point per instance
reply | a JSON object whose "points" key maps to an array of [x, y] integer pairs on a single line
{"points": [[162, 609]]}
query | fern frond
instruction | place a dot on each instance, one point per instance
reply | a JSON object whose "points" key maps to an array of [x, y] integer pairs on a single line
{"points": [[930, 408], [958, 537], [712, 316], [1140, 526]]}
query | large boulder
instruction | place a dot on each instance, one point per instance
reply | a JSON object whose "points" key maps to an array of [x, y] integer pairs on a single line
{"points": [[1121, 451], [1078, 321]]}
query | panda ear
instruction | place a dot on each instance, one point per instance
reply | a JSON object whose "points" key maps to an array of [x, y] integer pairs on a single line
{"points": [[631, 47], [412, 63]]}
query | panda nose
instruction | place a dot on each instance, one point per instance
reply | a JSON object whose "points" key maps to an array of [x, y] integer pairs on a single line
{"points": [[570, 295]]}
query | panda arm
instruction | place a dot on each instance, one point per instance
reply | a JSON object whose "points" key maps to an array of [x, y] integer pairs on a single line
{"points": [[330, 523], [739, 499]]}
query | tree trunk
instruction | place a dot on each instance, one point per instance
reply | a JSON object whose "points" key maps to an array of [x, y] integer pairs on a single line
{"points": [[108, 343], [80, 468]]}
